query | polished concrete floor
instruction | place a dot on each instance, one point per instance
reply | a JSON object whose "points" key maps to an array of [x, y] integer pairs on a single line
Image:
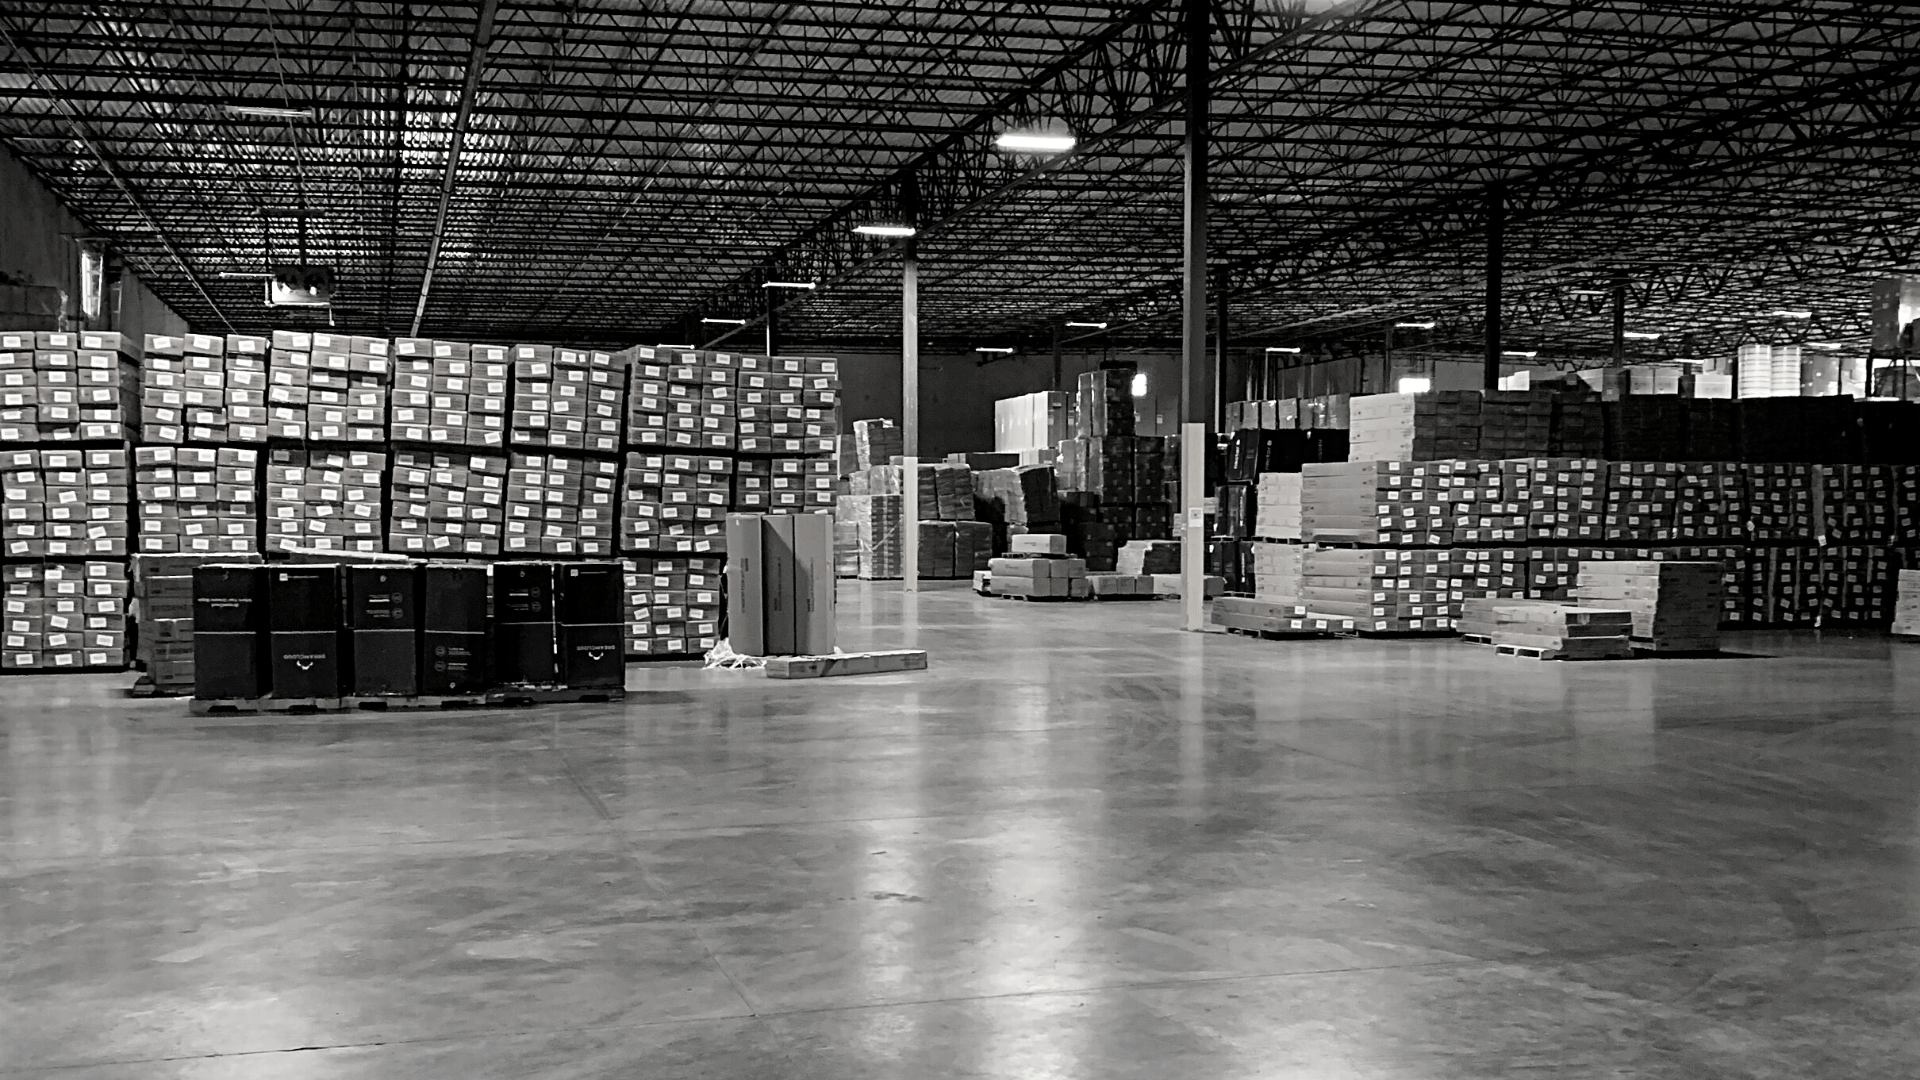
{"points": [[1083, 844]]}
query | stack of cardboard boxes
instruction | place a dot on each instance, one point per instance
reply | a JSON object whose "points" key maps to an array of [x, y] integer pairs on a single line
{"points": [[561, 505], [566, 399], [63, 615], [326, 388], [58, 387], [327, 500], [673, 604], [447, 504], [197, 500], [677, 502], [65, 503], [449, 393], [1415, 427]]}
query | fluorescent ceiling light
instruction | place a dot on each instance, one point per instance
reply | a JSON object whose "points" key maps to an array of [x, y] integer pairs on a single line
{"points": [[1639, 335], [248, 275], [1588, 292], [1415, 384], [790, 285], [1789, 313], [1827, 345], [994, 349], [1035, 142], [674, 346], [1139, 384], [1087, 326], [269, 112], [1414, 325], [886, 229], [1521, 355], [1283, 348], [726, 322]]}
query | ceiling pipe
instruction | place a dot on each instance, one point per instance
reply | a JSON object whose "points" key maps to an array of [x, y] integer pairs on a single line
{"points": [[476, 62]]}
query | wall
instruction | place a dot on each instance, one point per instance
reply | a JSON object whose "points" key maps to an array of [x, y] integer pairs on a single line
{"points": [[957, 392], [37, 251]]}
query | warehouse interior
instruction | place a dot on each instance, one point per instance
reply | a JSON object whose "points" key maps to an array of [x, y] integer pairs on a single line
{"points": [[1331, 539]]}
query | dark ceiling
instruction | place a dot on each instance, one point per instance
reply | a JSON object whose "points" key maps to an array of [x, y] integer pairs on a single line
{"points": [[626, 169]]}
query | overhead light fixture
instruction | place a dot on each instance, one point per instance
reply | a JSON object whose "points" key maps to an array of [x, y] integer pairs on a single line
{"points": [[1521, 355], [1035, 142], [1790, 313], [1639, 335], [725, 322], [994, 349], [790, 285], [1139, 384], [1415, 384], [246, 275], [1292, 349], [1086, 326], [269, 112], [886, 229], [1415, 325], [674, 346], [1587, 292], [1827, 345]]}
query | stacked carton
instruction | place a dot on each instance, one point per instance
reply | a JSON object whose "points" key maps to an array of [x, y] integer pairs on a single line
{"points": [[204, 389], [1515, 423], [1046, 577], [197, 500], [1103, 402], [1642, 499], [806, 485], [325, 388], [674, 604], [1712, 504], [876, 442], [566, 399], [1906, 610], [1563, 631], [60, 387], [1278, 571], [329, 500], [450, 393], [1857, 585], [1149, 557], [62, 615], [1675, 605], [559, 504], [1276, 514], [881, 524], [676, 502], [1780, 502], [1415, 427], [447, 504], [65, 503], [1857, 504], [1384, 591], [1375, 502]]}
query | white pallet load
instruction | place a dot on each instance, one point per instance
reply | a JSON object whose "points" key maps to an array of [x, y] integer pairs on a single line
{"points": [[1676, 606], [1278, 570], [1906, 606], [1787, 374], [1277, 507], [1754, 376], [1562, 631]]}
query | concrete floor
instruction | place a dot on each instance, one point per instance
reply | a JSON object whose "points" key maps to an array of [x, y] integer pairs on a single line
{"points": [[1084, 844]]}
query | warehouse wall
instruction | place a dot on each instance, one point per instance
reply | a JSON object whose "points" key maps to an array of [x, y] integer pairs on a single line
{"points": [[957, 392], [40, 265]]}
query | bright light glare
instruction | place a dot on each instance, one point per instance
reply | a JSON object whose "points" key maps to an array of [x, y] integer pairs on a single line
{"points": [[1034, 142], [1292, 349], [1639, 335], [889, 231], [1414, 325], [269, 112], [725, 322], [1415, 384], [1521, 355], [994, 349], [1086, 326], [1789, 313], [791, 285], [1139, 384]]}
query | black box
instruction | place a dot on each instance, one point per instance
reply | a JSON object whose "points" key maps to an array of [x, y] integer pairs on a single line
{"points": [[453, 629], [524, 639], [384, 629], [587, 598], [308, 658], [229, 632]]}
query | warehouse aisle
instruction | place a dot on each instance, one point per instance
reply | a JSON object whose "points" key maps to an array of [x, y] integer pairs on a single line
{"points": [[1083, 844]]}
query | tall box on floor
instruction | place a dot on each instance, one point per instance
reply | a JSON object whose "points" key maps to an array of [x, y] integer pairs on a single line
{"points": [[587, 612], [304, 631], [229, 632], [384, 629]]}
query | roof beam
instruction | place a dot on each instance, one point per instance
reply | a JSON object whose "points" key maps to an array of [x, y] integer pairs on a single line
{"points": [[476, 63]]}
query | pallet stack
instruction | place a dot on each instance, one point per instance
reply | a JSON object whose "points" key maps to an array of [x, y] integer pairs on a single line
{"points": [[1906, 610], [674, 604], [1675, 605], [677, 503], [1561, 631], [328, 500], [1384, 591], [1276, 503], [62, 616], [67, 388], [552, 497], [445, 504], [1712, 503], [567, 400], [1043, 578], [1279, 572], [1415, 427], [197, 500], [881, 526], [876, 442], [450, 394]]}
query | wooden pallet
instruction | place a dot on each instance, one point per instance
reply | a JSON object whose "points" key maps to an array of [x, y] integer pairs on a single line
{"points": [[244, 706], [553, 695], [143, 687], [1038, 599], [1407, 633], [394, 703], [1534, 652]]}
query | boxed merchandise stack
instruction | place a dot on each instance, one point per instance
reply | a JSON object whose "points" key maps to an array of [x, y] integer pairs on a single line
{"points": [[1579, 426], [64, 503], [1062, 578], [58, 387], [63, 616], [1857, 504], [1021, 498], [876, 442], [1276, 502], [1103, 402], [1278, 571], [846, 536], [447, 504], [1384, 591], [328, 500], [677, 503], [1675, 605], [326, 388], [881, 523], [1712, 430], [1857, 585], [201, 388], [1415, 427], [674, 604], [1563, 631], [1515, 423], [1562, 498], [1906, 610], [1780, 503], [450, 393], [806, 485], [1646, 429], [1504, 573], [1149, 557], [1396, 503], [198, 500], [1642, 499], [567, 399], [1088, 534], [558, 504], [1712, 502]]}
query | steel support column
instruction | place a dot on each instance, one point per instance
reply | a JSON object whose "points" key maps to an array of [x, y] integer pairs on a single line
{"points": [[1196, 376], [773, 310], [910, 414], [1496, 254], [1619, 319]]}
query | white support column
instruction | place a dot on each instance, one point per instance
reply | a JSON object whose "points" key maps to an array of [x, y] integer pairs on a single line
{"points": [[1193, 526], [910, 415]]}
